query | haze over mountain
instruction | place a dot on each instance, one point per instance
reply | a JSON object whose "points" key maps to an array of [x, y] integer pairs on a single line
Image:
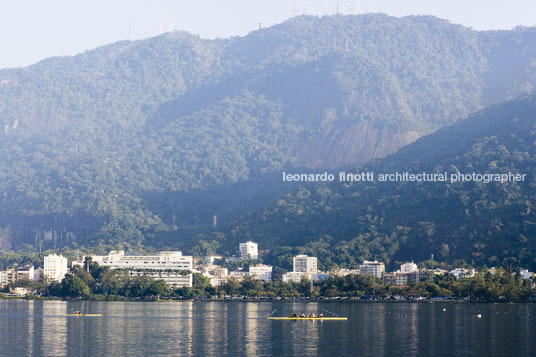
{"points": [[481, 223], [142, 142]]}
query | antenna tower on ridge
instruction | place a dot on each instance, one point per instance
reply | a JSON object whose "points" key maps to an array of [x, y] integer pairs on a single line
{"points": [[170, 23]]}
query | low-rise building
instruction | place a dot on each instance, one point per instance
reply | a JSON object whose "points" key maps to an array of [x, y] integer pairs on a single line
{"points": [[233, 259], [217, 276], [373, 268], [218, 280], [172, 267], [209, 259], [396, 278], [344, 272], [238, 275], [206, 269], [77, 263], [294, 276], [261, 272], [409, 267], [20, 291], [399, 278], [39, 274], [439, 271], [28, 273], [320, 276], [463, 273], [525, 274]]}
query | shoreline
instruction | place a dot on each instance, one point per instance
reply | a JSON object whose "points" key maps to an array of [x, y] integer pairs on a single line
{"points": [[259, 300]]}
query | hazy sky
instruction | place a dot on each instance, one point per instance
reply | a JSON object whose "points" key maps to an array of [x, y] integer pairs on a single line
{"points": [[32, 30]]}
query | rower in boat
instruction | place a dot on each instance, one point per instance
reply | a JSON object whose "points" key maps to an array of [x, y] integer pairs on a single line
{"points": [[321, 315], [77, 312], [302, 315], [312, 315], [293, 315]]}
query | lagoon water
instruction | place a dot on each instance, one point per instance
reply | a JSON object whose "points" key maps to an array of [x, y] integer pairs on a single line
{"points": [[42, 328]]}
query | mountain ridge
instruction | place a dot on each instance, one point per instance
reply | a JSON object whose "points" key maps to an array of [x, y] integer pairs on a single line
{"points": [[85, 138]]}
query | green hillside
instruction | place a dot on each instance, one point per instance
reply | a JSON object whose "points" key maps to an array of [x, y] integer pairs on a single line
{"points": [[144, 141], [481, 223]]}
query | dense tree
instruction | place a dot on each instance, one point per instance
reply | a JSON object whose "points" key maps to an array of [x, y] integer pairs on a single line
{"points": [[144, 141], [73, 286], [462, 223]]}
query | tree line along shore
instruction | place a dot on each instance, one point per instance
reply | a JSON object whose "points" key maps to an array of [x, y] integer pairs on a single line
{"points": [[102, 283]]}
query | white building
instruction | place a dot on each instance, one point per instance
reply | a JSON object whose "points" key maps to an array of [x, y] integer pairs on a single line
{"points": [[294, 277], [38, 274], [320, 276], [233, 259], [396, 278], [172, 267], [249, 250], [218, 280], [409, 268], [78, 263], [374, 268], [9, 276], [344, 272], [55, 267], [209, 259], [217, 276], [463, 273], [261, 272], [399, 278], [3, 278], [305, 264], [26, 274], [238, 275], [21, 291], [525, 274]]}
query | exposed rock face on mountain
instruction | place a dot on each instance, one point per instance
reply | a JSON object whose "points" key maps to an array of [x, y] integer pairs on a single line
{"points": [[341, 147], [479, 219]]}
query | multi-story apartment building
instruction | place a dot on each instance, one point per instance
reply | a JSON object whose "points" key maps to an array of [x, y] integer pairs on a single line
{"points": [[172, 267], [305, 264], [373, 268], [55, 267], [261, 272], [409, 267], [249, 250]]}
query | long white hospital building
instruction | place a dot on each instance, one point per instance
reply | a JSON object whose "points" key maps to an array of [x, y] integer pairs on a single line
{"points": [[172, 267]]}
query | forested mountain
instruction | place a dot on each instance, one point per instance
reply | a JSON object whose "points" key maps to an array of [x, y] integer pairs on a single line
{"points": [[482, 223], [142, 142]]}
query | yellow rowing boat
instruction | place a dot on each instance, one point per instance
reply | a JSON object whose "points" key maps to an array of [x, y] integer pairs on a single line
{"points": [[307, 318], [90, 315]]}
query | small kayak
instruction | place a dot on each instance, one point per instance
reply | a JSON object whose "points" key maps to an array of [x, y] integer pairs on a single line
{"points": [[89, 315], [307, 318]]}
